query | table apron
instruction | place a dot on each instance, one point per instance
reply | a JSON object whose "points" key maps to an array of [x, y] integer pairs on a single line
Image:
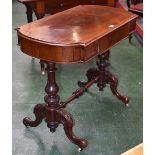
{"points": [[77, 53]]}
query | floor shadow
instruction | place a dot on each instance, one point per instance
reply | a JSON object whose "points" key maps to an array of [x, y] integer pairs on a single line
{"points": [[41, 146], [35, 137], [54, 151]]}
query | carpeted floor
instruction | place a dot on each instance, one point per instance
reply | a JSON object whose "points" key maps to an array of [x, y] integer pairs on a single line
{"points": [[99, 117]]}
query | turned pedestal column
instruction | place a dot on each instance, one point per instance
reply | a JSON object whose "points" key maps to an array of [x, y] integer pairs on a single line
{"points": [[52, 110], [105, 77]]}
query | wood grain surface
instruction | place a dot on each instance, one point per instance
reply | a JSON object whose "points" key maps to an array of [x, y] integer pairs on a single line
{"points": [[77, 34]]}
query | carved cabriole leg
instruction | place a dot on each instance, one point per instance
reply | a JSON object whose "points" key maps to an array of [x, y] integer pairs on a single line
{"points": [[66, 119], [113, 81], [39, 111]]}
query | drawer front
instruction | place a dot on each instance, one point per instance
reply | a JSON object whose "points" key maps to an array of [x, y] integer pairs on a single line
{"points": [[109, 40], [114, 37]]}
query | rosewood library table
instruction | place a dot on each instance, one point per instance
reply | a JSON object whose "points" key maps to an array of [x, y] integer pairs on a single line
{"points": [[42, 7], [74, 36]]}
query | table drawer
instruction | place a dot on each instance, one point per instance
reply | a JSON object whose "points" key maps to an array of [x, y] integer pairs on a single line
{"points": [[108, 41]]}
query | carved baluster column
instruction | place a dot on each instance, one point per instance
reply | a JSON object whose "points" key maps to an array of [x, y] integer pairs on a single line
{"points": [[102, 64], [52, 98], [55, 115], [106, 77]]}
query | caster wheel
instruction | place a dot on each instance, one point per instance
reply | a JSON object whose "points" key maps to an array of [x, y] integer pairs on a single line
{"points": [[79, 149], [43, 72], [127, 105]]}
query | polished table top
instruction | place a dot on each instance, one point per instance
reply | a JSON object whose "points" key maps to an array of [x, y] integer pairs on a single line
{"points": [[77, 34]]}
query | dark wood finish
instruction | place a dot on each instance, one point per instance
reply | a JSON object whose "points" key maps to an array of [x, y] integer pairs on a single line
{"points": [[105, 77], [39, 111], [67, 37], [52, 112], [42, 7], [79, 92]]}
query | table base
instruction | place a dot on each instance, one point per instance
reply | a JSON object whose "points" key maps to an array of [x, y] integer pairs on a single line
{"points": [[53, 110]]}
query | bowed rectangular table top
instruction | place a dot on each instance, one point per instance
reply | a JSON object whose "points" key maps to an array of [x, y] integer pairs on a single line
{"points": [[77, 34]]}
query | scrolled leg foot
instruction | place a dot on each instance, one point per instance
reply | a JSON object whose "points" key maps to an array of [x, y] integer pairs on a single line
{"points": [[66, 119], [26, 121], [39, 111], [127, 105], [113, 81]]}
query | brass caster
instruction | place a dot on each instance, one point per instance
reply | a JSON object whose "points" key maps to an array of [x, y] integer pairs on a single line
{"points": [[127, 105], [79, 149], [43, 72]]}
